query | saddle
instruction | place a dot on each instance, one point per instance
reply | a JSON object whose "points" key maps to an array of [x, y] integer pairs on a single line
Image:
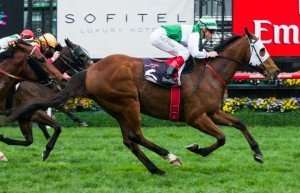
{"points": [[154, 70]]}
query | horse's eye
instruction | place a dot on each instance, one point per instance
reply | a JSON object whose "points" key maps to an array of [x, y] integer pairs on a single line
{"points": [[82, 56], [42, 59], [262, 52]]}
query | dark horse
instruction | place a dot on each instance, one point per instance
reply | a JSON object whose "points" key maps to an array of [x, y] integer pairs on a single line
{"points": [[14, 67], [117, 84], [72, 59]]}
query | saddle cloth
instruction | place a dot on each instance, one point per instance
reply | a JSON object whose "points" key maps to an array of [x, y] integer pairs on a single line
{"points": [[154, 70]]}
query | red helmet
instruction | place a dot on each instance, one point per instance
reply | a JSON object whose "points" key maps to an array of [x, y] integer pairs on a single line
{"points": [[27, 34]]}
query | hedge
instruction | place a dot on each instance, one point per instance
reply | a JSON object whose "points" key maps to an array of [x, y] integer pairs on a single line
{"points": [[250, 118]]}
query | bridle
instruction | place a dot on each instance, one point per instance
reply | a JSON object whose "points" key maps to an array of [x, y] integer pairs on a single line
{"points": [[68, 62], [255, 60]]}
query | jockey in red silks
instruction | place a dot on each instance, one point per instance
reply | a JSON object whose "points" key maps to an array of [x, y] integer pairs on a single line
{"points": [[27, 34], [46, 43], [182, 41]]}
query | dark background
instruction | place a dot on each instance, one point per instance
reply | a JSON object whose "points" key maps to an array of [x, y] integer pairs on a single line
{"points": [[15, 11]]}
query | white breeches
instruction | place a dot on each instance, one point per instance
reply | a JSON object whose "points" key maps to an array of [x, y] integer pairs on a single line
{"points": [[160, 40]]}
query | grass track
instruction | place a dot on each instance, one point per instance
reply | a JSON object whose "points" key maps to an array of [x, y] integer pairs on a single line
{"points": [[95, 160]]}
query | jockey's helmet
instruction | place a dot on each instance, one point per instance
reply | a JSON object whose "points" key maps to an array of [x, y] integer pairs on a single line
{"points": [[27, 34], [48, 40], [208, 22]]}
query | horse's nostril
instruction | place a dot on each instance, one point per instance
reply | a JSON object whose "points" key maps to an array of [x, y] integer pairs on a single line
{"points": [[277, 73]]}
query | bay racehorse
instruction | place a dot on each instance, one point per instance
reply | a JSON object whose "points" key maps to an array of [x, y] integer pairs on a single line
{"points": [[72, 58], [14, 67], [117, 84]]}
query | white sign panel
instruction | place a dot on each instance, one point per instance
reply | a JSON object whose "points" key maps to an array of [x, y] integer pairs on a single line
{"points": [[105, 27]]}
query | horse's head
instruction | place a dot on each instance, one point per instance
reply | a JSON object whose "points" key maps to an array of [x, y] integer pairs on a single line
{"points": [[73, 58], [32, 52], [79, 54], [260, 59], [24, 61]]}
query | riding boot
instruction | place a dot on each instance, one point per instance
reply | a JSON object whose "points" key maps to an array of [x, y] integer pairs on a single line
{"points": [[167, 78]]}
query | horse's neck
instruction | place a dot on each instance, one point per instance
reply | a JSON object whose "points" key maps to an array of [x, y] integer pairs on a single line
{"points": [[226, 68]]}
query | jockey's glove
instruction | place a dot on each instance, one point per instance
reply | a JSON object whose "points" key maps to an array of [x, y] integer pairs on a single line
{"points": [[212, 54]]}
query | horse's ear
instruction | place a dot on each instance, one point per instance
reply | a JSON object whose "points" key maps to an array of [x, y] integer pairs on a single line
{"points": [[69, 43], [247, 32], [58, 47]]}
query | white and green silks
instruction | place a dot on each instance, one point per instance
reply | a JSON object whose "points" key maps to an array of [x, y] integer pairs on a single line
{"points": [[4, 42]]}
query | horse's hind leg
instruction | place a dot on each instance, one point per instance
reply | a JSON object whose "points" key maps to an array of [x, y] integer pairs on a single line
{"points": [[42, 118], [222, 118], [26, 129], [134, 148], [133, 119], [204, 123]]}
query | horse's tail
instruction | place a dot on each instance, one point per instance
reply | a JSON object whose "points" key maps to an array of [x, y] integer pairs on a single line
{"points": [[74, 88]]}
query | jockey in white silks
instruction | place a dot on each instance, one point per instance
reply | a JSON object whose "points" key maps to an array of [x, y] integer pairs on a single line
{"points": [[4, 42], [182, 41]]}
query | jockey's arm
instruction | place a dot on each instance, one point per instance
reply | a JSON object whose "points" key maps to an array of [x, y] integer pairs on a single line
{"points": [[193, 46], [54, 57]]}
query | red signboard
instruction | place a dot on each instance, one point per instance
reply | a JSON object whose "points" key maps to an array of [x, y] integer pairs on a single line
{"points": [[276, 23]]}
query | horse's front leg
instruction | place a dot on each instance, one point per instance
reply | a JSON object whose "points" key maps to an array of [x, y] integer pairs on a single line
{"points": [[26, 129], [222, 118], [72, 116], [205, 124], [44, 130]]}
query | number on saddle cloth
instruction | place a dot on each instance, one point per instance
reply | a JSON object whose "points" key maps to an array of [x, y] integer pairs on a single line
{"points": [[155, 69]]}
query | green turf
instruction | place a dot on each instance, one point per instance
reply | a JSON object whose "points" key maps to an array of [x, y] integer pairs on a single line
{"points": [[95, 160]]}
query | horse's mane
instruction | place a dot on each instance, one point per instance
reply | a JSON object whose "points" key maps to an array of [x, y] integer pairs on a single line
{"points": [[20, 41], [58, 47], [9, 53], [225, 43]]}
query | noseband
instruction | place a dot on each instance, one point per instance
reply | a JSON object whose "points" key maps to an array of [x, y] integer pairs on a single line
{"points": [[70, 62]]}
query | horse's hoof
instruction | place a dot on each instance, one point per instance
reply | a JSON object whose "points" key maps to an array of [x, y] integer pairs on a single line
{"points": [[175, 162], [3, 157], [83, 124], [173, 159], [259, 158], [158, 172], [193, 147], [45, 155]]}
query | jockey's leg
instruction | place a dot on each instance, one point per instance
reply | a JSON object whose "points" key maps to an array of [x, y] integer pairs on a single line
{"points": [[160, 40], [173, 66]]}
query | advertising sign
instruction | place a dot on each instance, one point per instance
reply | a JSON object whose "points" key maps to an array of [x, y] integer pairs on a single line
{"points": [[276, 23], [119, 26], [11, 17]]}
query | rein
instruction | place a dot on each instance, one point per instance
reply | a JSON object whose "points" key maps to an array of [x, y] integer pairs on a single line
{"points": [[64, 58], [9, 75], [214, 72], [231, 59]]}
